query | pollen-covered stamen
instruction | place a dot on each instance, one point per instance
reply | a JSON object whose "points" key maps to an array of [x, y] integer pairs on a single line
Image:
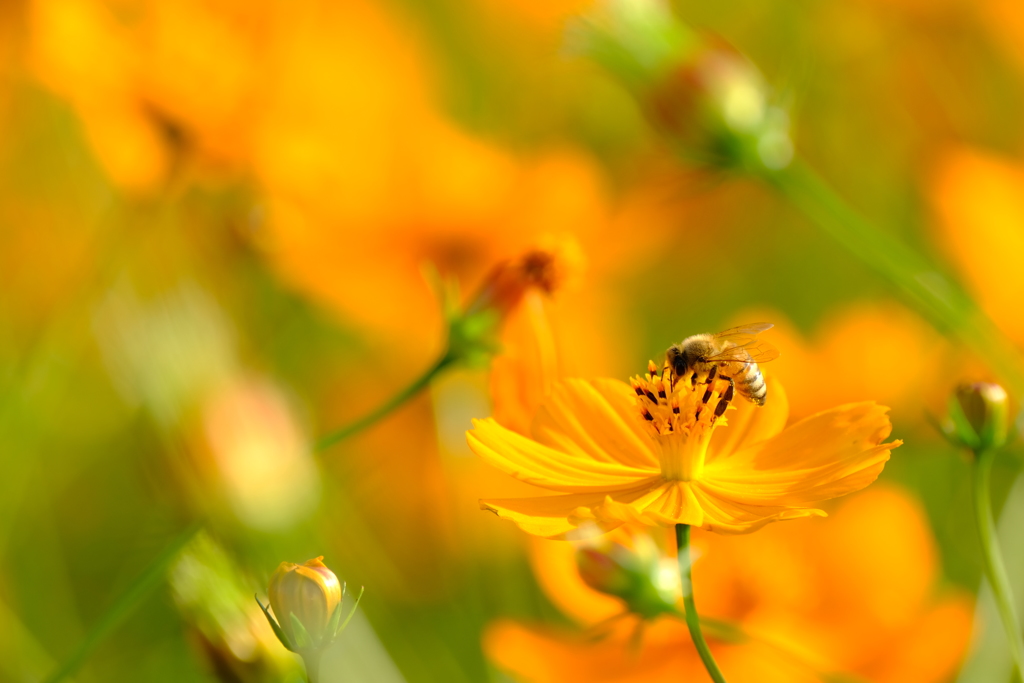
{"points": [[680, 416]]}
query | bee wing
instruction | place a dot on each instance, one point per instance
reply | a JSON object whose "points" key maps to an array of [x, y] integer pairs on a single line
{"points": [[749, 349], [745, 330]]}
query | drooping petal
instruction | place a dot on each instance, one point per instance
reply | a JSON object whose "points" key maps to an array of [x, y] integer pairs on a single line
{"points": [[547, 516], [726, 516], [528, 365], [595, 419], [547, 467], [670, 503], [559, 516], [679, 502], [748, 424], [830, 454]]}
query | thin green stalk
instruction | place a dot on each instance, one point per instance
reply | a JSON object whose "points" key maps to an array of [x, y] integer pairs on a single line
{"points": [[992, 557], [396, 401], [942, 301], [690, 609], [125, 605], [312, 661]]}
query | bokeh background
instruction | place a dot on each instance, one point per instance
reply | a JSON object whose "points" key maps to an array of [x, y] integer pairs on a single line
{"points": [[221, 228]]}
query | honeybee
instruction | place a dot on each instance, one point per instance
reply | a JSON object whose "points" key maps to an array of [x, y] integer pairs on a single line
{"points": [[732, 355]]}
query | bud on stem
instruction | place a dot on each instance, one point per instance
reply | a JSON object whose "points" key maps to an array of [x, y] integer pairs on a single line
{"points": [[307, 601], [978, 416], [639, 575]]}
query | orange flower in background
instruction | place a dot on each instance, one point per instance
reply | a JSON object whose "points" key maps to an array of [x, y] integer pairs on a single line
{"points": [[646, 453], [504, 206], [333, 114], [1005, 19], [979, 200], [238, 87], [852, 595], [868, 350]]}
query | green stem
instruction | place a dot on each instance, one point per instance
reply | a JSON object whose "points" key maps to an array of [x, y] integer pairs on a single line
{"points": [[992, 557], [126, 604], [386, 408], [690, 609], [312, 662], [942, 301]]}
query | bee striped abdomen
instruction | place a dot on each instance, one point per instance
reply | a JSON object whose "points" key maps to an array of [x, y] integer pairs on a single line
{"points": [[750, 384]]}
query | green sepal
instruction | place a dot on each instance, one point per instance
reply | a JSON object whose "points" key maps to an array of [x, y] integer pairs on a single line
{"points": [[278, 631], [332, 623], [303, 641], [352, 611], [959, 428]]}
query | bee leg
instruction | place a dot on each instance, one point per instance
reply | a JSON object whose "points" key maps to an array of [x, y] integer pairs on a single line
{"points": [[710, 378], [727, 397]]}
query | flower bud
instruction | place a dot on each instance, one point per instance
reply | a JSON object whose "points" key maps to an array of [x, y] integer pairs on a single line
{"points": [[305, 598], [978, 416], [709, 99], [639, 576], [716, 107]]}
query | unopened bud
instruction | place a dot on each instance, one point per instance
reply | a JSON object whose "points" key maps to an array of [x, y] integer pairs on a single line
{"points": [[978, 416], [307, 601], [639, 576], [710, 100], [716, 106]]}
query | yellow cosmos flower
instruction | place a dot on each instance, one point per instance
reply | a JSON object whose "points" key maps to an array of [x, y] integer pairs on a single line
{"points": [[664, 451]]}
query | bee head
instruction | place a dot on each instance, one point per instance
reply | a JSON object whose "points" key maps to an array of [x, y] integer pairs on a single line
{"points": [[678, 359]]}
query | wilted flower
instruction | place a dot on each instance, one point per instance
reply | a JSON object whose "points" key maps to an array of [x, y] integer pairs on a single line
{"points": [[473, 330]]}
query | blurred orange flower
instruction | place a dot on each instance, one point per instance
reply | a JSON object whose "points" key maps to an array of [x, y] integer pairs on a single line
{"points": [[980, 208], [854, 595], [646, 453], [868, 350]]}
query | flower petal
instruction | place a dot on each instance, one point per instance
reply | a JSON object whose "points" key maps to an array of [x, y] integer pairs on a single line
{"points": [[559, 516], [547, 516], [830, 454], [749, 424], [544, 466], [596, 419], [726, 516], [670, 503], [679, 502]]}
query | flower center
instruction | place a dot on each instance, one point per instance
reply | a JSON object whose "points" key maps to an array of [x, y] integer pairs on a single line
{"points": [[681, 414]]}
